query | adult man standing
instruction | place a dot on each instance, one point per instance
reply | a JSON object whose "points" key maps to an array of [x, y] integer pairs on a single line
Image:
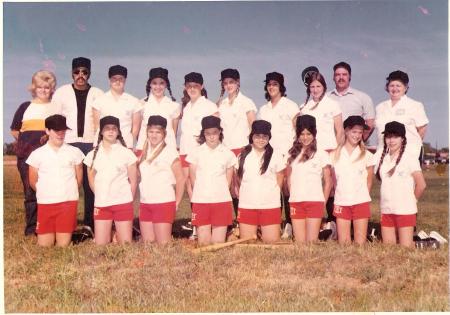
{"points": [[75, 102]]}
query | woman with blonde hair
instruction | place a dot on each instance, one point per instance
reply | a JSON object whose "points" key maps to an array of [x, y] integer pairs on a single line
{"points": [[28, 129]]}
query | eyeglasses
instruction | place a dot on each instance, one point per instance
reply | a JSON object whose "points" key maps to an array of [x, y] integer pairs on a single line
{"points": [[83, 72]]}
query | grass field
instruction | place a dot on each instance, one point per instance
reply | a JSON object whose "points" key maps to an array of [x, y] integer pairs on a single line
{"points": [[147, 278]]}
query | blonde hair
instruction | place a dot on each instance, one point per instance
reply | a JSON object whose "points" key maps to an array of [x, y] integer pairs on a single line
{"points": [[146, 145], [42, 77], [362, 147]]}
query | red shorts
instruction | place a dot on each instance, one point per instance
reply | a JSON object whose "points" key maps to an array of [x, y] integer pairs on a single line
{"points": [[157, 212], [216, 214], [398, 221], [306, 209], [236, 151], [123, 212], [354, 212], [259, 216], [183, 161], [58, 217]]}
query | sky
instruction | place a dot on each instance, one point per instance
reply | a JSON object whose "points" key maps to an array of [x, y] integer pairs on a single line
{"points": [[374, 37]]}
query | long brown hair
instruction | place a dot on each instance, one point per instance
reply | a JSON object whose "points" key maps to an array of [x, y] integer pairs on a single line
{"points": [[385, 151], [315, 76]]}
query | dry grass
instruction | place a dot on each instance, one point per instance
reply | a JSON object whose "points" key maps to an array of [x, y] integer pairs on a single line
{"points": [[146, 278]]}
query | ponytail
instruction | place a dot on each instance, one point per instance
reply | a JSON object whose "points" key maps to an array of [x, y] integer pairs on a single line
{"points": [[222, 92], [268, 151], [385, 151]]}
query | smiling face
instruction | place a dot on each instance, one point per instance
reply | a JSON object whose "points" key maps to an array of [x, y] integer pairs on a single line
{"points": [[396, 89], [305, 137], [117, 83], [354, 135], [231, 86], [212, 137], [260, 141], [273, 88], [155, 135], [158, 87], [110, 133], [194, 90], [341, 79], [80, 77], [393, 142], [43, 92], [56, 137], [317, 90]]}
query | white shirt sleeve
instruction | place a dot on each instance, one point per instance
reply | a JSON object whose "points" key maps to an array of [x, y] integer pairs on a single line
{"points": [[231, 160], [370, 161], [88, 159], [177, 111], [78, 156], [192, 157], [368, 109], [250, 106], [280, 162], [324, 159], [33, 160], [130, 157], [420, 116]]}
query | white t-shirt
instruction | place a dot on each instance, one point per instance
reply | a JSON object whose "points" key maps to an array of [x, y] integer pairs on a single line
{"points": [[157, 179], [166, 108], [324, 113], [260, 191], [234, 120], [111, 179], [66, 104], [281, 117], [123, 108], [191, 122], [211, 184], [57, 180], [397, 191], [306, 178], [351, 177], [408, 112]]}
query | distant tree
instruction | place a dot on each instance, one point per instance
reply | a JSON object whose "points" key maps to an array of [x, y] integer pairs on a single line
{"points": [[428, 148], [9, 149], [444, 149]]}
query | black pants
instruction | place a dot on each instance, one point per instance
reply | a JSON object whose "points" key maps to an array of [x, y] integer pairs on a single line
{"points": [[88, 194], [30, 202]]}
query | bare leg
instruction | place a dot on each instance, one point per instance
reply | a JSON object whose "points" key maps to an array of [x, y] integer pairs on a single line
{"points": [[343, 231], [46, 240], [219, 234], [247, 230], [360, 230], [312, 229], [163, 232], [405, 235], [102, 231], [124, 231], [388, 235], [299, 227], [204, 234], [270, 233], [63, 239], [147, 231]]}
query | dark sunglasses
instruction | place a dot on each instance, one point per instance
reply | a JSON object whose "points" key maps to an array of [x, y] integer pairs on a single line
{"points": [[83, 72]]}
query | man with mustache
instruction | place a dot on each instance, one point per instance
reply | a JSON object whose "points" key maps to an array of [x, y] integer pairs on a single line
{"points": [[352, 101], [74, 101]]}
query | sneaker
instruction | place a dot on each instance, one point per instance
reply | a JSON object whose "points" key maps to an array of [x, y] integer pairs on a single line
{"points": [[422, 235], [193, 236], [438, 237], [287, 233], [333, 229], [187, 226], [427, 243]]}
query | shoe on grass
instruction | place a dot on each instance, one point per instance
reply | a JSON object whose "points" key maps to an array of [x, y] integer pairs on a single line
{"points": [[438, 237], [287, 232]]}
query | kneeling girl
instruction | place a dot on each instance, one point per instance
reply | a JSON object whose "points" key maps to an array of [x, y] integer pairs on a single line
{"points": [[159, 169], [210, 172]]}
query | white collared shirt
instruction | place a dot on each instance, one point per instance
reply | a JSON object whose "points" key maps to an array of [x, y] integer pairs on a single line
{"points": [[397, 191], [57, 180], [157, 178], [324, 113], [234, 120], [260, 191], [123, 108], [306, 178], [351, 177], [211, 185], [191, 122], [166, 108], [353, 102], [66, 104], [408, 112], [281, 117], [111, 179]]}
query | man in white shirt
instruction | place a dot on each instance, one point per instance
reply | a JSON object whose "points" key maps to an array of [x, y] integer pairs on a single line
{"points": [[74, 101]]}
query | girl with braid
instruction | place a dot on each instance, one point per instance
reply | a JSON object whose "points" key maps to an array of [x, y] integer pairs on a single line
{"points": [[402, 184], [260, 174], [112, 177], [159, 170], [353, 170], [237, 113], [307, 167], [157, 103]]}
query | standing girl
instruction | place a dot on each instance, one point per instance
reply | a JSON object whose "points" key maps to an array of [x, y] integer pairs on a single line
{"points": [[280, 113], [28, 129], [56, 173], [211, 172], [113, 179], [402, 184], [306, 167], [160, 169], [237, 113], [116, 102], [353, 170], [260, 174], [157, 103]]}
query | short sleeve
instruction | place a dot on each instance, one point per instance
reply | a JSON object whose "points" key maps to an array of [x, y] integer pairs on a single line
{"points": [[33, 160], [370, 161], [249, 105], [96, 104], [324, 159], [172, 154], [414, 165], [335, 108], [88, 159], [293, 109], [18, 116], [212, 109], [78, 156], [137, 106], [280, 162], [192, 157], [420, 117], [368, 109], [231, 159], [130, 157], [176, 112]]}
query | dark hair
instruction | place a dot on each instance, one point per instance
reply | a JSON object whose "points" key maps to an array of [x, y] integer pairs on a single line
{"points": [[385, 151], [297, 147], [100, 139], [185, 99], [148, 89], [397, 76], [344, 65], [268, 151], [315, 76], [202, 139], [282, 90]]}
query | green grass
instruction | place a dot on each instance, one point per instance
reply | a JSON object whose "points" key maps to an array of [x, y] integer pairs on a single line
{"points": [[147, 278]]}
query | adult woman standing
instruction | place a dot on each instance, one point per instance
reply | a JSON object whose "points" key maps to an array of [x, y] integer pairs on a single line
{"points": [[28, 128], [403, 109], [157, 103], [116, 102]]}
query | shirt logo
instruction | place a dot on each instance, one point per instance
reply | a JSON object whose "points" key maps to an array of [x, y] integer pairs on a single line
{"points": [[293, 210], [400, 111], [96, 211], [337, 209]]}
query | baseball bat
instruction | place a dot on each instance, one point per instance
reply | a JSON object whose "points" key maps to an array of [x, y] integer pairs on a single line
{"points": [[214, 247]]}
